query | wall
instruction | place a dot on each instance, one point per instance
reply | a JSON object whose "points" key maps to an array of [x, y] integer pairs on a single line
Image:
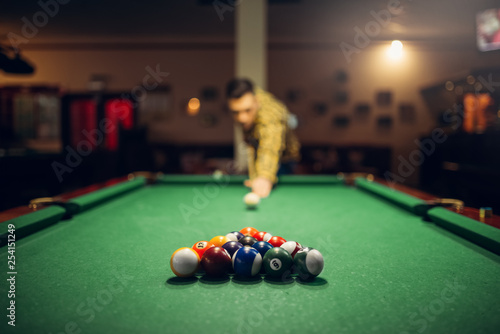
{"points": [[310, 69]]}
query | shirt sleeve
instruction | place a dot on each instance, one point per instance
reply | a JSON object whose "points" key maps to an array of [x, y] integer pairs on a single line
{"points": [[271, 134], [251, 162]]}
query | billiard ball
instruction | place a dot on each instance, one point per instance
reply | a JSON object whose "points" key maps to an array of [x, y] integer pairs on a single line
{"points": [[247, 262], [231, 247], [251, 200], [277, 262], [248, 241], [234, 236], [216, 261], [308, 263], [262, 236], [201, 246], [277, 241], [184, 262], [291, 247], [262, 247], [219, 240], [249, 231]]}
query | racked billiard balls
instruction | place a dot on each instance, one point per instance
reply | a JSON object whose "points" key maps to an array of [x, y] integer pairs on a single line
{"points": [[234, 236], [232, 247], [247, 262], [201, 246], [308, 263], [219, 240], [277, 241], [184, 262], [248, 231], [292, 247], [262, 247], [248, 241], [216, 262], [263, 236], [277, 262]]}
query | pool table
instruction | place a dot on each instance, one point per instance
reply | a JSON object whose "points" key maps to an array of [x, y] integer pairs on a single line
{"points": [[99, 262]]}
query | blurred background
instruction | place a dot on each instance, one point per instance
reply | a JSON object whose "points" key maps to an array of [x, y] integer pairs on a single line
{"points": [[407, 90]]}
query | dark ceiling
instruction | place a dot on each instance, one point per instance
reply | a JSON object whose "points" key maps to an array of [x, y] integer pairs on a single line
{"points": [[310, 20]]}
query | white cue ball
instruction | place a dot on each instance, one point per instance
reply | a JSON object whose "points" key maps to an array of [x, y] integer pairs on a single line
{"points": [[251, 200]]}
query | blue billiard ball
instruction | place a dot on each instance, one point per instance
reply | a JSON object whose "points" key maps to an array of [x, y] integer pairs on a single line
{"points": [[262, 247], [231, 247], [234, 236], [247, 262]]}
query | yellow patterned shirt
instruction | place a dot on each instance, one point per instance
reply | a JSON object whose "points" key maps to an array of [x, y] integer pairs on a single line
{"points": [[270, 140]]}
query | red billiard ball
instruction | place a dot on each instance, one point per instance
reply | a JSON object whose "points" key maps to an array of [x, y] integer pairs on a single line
{"points": [[263, 236], [216, 262], [277, 241], [249, 231], [291, 247], [201, 246]]}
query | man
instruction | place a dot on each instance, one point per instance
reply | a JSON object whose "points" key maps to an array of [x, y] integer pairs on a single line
{"points": [[271, 145]]}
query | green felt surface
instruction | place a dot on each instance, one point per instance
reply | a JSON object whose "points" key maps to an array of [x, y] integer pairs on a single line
{"points": [[31, 223], [95, 198], [386, 270], [484, 235], [405, 201]]}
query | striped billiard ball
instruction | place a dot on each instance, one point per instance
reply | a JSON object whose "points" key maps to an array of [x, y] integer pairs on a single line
{"points": [[308, 263], [184, 262], [201, 246], [277, 262], [292, 247], [247, 262], [234, 236], [263, 236]]}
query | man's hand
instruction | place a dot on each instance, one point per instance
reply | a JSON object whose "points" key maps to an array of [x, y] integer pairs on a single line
{"points": [[261, 186]]}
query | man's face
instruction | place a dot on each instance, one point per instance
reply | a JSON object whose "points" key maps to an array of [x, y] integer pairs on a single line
{"points": [[244, 109]]}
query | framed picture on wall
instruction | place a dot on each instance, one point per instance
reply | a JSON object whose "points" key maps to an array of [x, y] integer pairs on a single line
{"points": [[320, 108], [341, 121], [407, 113], [362, 111], [341, 97], [384, 98], [384, 122]]}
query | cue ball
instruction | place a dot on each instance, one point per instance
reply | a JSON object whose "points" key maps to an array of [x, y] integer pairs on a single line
{"points": [[251, 200], [184, 262], [308, 263]]}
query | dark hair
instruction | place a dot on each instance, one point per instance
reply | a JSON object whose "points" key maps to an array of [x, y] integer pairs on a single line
{"points": [[236, 88]]}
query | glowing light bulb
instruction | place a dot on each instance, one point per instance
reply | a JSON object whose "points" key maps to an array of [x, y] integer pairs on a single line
{"points": [[395, 51]]}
